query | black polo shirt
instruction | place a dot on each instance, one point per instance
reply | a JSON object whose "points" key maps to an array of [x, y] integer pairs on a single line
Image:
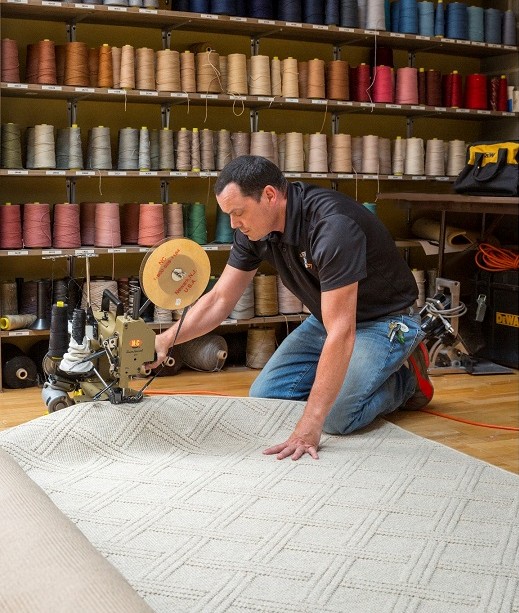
{"points": [[330, 241]]}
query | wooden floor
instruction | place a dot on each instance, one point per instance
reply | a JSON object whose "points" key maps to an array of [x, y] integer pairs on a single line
{"points": [[491, 399]]}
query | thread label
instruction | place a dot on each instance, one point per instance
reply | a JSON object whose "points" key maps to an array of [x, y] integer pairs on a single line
{"points": [[397, 35], [208, 16], [231, 97], [350, 30], [370, 177], [372, 32], [344, 176], [319, 101], [84, 6], [148, 11], [18, 85], [18, 252], [443, 109], [19, 333], [478, 43], [442, 178], [393, 106], [421, 37], [293, 174], [417, 108], [319, 175], [395, 177], [211, 247], [117, 173], [116, 250], [368, 105], [17, 172], [265, 99], [18, 1], [418, 178], [507, 114], [179, 95], [45, 252], [209, 96], [84, 252], [483, 112], [460, 41], [148, 173], [294, 24], [148, 92], [50, 3], [344, 102], [55, 173], [118, 9], [177, 173], [268, 22], [494, 45], [52, 88], [462, 110], [85, 173], [88, 90], [116, 91], [208, 173], [143, 249], [241, 19], [292, 100], [318, 26]]}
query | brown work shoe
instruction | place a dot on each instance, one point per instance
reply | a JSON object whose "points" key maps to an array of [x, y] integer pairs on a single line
{"points": [[418, 363]]}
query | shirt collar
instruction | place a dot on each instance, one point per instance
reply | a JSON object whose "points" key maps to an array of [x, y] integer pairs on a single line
{"points": [[293, 218]]}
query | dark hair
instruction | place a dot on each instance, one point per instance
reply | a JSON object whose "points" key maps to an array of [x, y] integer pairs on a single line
{"points": [[251, 173]]}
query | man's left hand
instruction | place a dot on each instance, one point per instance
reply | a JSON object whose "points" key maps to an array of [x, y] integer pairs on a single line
{"points": [[304, 439]]}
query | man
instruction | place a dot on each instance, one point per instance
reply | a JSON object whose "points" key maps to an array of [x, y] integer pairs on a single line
{"points": [[347, 359]]}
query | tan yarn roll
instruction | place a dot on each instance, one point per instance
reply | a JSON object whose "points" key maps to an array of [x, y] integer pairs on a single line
{"points": [[187, 72], [208, 72], [145, 68], [127, 78], [340, 153], [265, 295], [316, 87], [289, 78], [337, 80], [76, 65], [105, 75], [261, 345], [168, 71], [259, 82], [237, 74]]}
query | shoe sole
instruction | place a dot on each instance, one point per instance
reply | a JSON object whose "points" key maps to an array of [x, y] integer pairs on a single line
{"points": [[421, 397]]}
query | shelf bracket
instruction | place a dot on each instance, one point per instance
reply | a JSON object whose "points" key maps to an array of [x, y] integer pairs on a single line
{"points": [[335, 123], [411, 59], [71, 190], [72, 112], [335, 185], [254, 121], [254, 45], [71, 31], [165, 114], [336, 52], [164, 191], [409, 124], [166, 38]]}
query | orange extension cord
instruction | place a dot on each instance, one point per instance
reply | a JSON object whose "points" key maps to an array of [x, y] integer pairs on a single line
{"points": [[209, 393], [494, 259]]}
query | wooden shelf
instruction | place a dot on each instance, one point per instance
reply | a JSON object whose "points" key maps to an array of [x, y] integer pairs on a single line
{"points": [[455, 203], [99, 94], [245, 26], [93, 251]]}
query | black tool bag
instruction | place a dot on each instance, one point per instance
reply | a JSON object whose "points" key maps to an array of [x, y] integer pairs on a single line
{"points": [[492, 169]]}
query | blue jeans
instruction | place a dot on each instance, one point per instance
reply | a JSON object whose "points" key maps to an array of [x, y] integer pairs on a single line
{"points": [[377, 381]]}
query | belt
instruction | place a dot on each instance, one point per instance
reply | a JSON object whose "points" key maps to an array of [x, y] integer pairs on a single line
{"points": [[410, 311]]}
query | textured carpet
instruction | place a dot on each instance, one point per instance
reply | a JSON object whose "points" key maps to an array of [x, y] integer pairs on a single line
{"points": [[176, 494]]}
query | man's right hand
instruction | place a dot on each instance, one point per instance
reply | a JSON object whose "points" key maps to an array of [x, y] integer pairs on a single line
{"points": [[162, 347]]}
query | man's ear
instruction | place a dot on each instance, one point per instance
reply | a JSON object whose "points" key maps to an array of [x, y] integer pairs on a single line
{"points": [[271, 192]]}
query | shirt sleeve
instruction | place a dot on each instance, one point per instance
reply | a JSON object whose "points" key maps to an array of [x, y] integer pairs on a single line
{"points": [[243, 256], [338, 246]]}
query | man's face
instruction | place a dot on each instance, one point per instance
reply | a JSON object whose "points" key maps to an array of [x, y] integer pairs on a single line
{"points": [[254, 219]]}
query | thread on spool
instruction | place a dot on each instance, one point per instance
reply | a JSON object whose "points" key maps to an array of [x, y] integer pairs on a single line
{"points": [[36, 225], [244, 308], [11, 146], [265, 295], [18, 370], [10, 61], [16, 322], [151, 224], [287, 301], [107, 227], [66, 232], [261, 345], [58, 339], [206, 353], [8, 298], [10, 226]]}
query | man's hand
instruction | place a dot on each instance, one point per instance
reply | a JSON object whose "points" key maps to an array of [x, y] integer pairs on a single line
{"points": [[304, 439], [161, 350]]}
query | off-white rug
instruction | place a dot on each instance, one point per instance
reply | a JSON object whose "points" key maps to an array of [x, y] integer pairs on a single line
{"points": [[176, 494]]}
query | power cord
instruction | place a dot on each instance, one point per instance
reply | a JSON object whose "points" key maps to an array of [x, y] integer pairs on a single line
{"points": [[496, 259]]}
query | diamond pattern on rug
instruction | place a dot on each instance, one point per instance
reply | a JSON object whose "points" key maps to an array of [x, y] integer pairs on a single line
{"points": [[177, 495]]}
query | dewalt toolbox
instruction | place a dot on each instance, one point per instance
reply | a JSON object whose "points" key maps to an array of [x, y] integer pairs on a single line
{"points": [[500, 324]]}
